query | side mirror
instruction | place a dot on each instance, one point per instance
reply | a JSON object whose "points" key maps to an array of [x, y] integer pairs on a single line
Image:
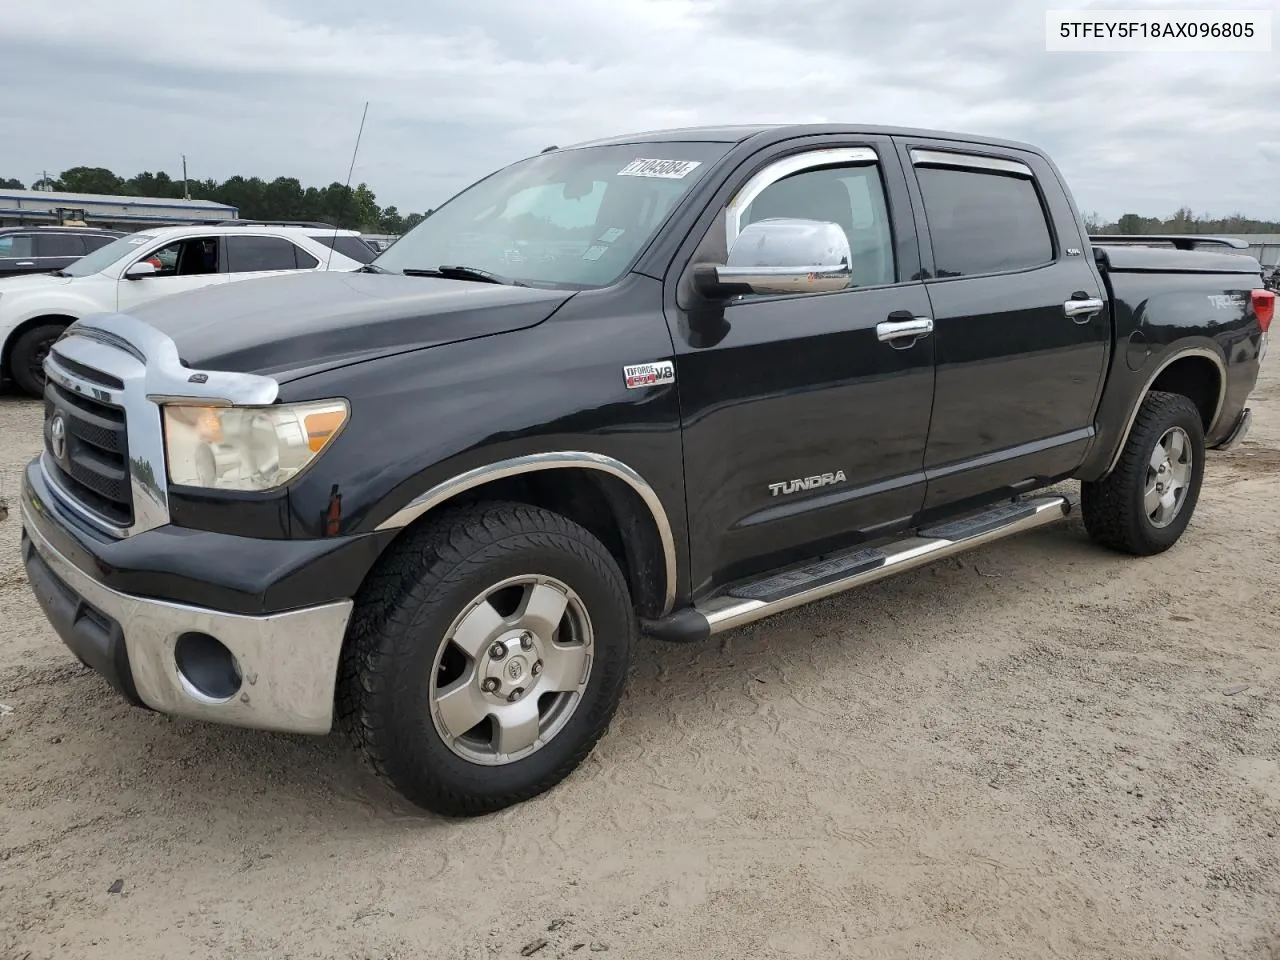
{"points": [[780, 256], [139, 270]]}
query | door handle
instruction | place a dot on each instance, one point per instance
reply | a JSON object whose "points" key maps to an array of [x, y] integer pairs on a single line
{"points": [[890, 330], [25, 263], [1082, 310]]}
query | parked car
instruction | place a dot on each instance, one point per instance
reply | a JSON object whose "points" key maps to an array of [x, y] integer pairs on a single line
{"points": [[155, 263], [676, 382], [44, 249]]}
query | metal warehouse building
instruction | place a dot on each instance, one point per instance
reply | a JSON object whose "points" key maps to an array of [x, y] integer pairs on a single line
{"points": [[24, 207]]}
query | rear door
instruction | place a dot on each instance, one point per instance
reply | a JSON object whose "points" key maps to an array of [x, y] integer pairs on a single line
{"points": [[58, 250], [1021, 329], [254, 255]]}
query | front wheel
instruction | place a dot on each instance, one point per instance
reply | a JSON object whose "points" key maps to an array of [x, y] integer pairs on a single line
{"points": [[26, 360], [1143, 506], [487, 655]]}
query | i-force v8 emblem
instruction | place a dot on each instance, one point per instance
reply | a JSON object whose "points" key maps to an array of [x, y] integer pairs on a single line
{"points": [[806, 483], [649, 374]]}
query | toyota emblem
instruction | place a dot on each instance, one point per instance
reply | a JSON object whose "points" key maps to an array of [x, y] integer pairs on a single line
{"points": [[58, 436]]}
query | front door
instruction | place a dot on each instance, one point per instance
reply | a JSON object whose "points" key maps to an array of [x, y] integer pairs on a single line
{"points": [[181, 266], [803, 430], [1021, 327]]}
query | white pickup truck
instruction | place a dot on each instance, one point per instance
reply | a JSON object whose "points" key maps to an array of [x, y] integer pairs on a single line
{"points": [[144, 266]]}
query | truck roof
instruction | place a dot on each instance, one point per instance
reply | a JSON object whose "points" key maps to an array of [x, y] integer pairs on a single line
{"points": [[782, 131]]}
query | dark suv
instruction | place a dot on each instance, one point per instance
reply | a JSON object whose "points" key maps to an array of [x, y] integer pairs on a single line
{"points": [[44, 249]]}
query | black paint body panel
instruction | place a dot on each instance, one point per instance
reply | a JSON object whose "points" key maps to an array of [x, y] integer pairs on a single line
{"points": [[445, 376]]}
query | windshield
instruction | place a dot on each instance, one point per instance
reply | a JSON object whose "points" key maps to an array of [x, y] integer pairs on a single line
{"points": [[104, 257], [575, 218]]}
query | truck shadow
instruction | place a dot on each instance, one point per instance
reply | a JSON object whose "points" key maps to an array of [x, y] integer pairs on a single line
{"points": [[241, 787]]}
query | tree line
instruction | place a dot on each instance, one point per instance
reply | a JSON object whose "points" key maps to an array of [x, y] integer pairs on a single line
{"points": [[357, 208], [1182, 221], [284, 198]]}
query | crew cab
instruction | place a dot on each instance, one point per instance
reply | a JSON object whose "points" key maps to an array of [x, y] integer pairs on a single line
{"points": [[674, 382], [140, 267]]}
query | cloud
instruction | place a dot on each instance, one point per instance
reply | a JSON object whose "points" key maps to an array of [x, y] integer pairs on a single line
{"points": [[275, 87]]}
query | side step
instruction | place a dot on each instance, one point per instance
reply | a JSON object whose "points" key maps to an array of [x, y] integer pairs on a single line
{"points": [[745, 603]]}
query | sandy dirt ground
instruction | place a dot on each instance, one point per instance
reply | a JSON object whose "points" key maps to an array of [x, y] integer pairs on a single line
{"points": [[1036, 750]]}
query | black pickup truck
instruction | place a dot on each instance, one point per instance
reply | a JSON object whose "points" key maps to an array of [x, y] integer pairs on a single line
{"points": [[673, 382]]}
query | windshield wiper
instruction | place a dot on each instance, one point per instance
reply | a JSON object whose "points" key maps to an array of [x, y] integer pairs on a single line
{"points": [[373, 268], [455, 272]]}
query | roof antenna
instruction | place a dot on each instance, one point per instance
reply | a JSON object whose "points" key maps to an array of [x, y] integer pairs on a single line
{"points": [[347, 189]]}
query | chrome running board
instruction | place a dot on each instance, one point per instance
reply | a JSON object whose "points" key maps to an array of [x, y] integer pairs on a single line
{"points": [[748, 602]]}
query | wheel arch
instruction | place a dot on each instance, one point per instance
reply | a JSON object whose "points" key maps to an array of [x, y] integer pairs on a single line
{"points": [[6, 349], [1197, 373], [604, 495]]}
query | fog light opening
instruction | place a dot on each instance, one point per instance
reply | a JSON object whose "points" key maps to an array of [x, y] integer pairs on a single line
{"points": [[207, 669]]}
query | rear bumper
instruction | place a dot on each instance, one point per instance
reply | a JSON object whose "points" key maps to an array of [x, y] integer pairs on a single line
{"points": [[271, 672], [1239, 430]]}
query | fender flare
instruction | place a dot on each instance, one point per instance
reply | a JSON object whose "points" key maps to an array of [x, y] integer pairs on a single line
{"points": [[539, 462], [1182, 354]]}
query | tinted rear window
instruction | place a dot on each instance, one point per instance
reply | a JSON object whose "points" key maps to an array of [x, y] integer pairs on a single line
{"points": [[348, 246], [59, 245], [983, 222]]}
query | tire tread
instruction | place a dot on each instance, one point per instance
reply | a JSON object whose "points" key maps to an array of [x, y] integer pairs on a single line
{"points": [[417, 570]]}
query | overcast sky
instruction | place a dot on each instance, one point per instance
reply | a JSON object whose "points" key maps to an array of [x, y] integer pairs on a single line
{"points": [[275, 87]]}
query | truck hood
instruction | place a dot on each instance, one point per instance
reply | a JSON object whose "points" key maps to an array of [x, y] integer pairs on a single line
{"points": [[292, 326]]}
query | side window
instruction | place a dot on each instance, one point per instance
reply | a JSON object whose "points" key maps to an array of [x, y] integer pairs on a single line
{"points": [[59, 245], [247, 254], [983, 222], [17, 245], [94, 241], [852, 197], [186, 258], [345, 244]]}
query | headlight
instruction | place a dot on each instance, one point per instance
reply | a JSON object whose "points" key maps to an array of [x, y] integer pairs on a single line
{"points": [[247, 448]]}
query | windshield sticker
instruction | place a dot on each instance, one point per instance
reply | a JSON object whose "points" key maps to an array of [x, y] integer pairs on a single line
{"points": [[610, 235], [595, 253], [663, 169]]}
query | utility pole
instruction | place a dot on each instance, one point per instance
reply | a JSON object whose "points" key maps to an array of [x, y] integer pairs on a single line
{"points": [[186, 195]]}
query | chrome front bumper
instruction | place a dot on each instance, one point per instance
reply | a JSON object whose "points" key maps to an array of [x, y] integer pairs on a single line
{"points": [[287, 663]]}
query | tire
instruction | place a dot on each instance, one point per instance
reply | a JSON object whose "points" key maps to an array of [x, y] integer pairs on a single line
{"points": [[29, 351], [404, 654], [1116, 508]]}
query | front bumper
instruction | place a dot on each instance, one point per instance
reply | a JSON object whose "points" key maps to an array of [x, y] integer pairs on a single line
{"points": [[280, 673]]}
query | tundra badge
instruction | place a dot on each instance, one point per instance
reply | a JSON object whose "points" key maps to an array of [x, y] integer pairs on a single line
{"points": [[807, 483]]}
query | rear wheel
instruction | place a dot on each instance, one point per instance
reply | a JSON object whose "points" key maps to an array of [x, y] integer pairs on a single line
{"points": [[486, 657], [26, 359], [1144, 505]]}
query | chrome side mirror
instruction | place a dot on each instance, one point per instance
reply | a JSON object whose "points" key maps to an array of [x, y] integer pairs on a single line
{"points": [[780, 256]]}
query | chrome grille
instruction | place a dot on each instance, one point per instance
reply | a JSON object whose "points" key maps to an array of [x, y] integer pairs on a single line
{"points": [[87, 450]]}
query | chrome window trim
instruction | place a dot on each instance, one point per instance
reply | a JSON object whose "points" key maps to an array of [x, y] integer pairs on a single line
{"points": [[1146, 388], [809, 160], [146, 361], [970, 161], [556, 460]]}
